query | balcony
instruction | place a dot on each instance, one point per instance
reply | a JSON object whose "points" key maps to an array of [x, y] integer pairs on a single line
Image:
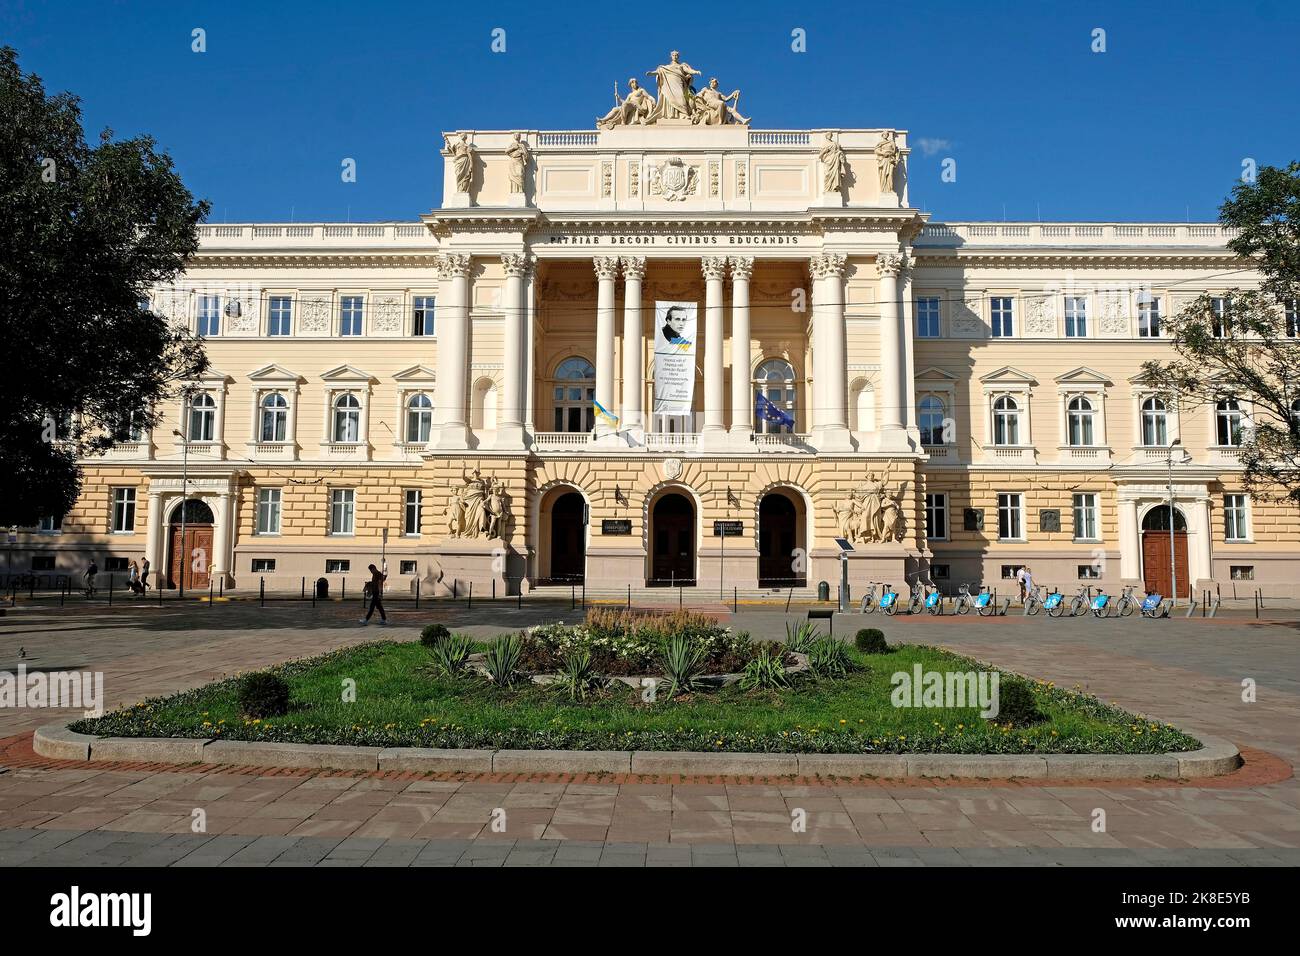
{"points": [[272, 450], [202, 450], [1010, 454], [1094, 455], [942, 454], [672, 441], [791, 442], [560, 441], [1225, 456], [141, 450], [345, 450]]}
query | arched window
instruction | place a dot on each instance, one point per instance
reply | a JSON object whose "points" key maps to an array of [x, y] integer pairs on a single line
{"points": [[1006, 421], [1079, 415], [1155, 422], [1228, 422], [930, 417], [774, 380], [203, 417], [347, 419], [419, 417], [575, 391], [275, 417]]}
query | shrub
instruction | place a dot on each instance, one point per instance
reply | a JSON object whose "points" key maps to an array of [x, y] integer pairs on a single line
{"points": [[450, 652], [828, 657], [501, 660], [766, 669], [263, 695], [801, 637], [871, 640], [1016, 702], [433, 633], [682, 661], [578, 676]]}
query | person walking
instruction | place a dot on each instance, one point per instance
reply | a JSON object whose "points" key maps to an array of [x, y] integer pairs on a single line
{"points": [[1020, 580], [133, 579], [91, 570], [1026, 583], [376, 586], [144, 576]]}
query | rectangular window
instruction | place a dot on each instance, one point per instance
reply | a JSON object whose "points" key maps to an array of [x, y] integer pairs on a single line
{"points": [[343, 503], [268, 511], [115, 564], [51, 524], [1009, 571], [414, 499], [936, 517], [1219, 325], [1002, 312], [1088, 572], [280, 317], [350, 315], [407, 567], [263, 564], [1149, 318], [337, 565], [940, 572], [927, 317], [123, 510], [1076, 316], [1242, 572], [42, 562], [1011, 523], [1235, 518], [423, 322], [209, 315], [972, 519], [1085, 517]]}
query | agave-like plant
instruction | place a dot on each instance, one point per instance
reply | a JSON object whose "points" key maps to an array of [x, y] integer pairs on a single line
{"points": [[682, 660], [577, 677], [800, 637], [828, 657], [449, 653], [766, 670], [501, 659]]}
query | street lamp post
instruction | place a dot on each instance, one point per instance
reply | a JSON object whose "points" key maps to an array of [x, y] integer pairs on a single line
{"points": [[1173, 558]]}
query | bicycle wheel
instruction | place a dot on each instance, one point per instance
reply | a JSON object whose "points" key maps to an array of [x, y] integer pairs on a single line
{"points": [[1032, 607], [1127, 607], [987, 609], [1077, 607], [892, 609], [1057, 611], [960, 606], [868, 607]]}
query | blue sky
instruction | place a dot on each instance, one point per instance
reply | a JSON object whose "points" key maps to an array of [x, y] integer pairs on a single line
{"points": [[1156, 127]]}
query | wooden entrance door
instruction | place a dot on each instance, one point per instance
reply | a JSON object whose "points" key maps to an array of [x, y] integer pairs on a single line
{"points": [[777, 534], [198, 547], [673, 545], [1155, 562]]}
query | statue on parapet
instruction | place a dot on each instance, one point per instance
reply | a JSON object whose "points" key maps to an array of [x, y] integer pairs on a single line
{"points": [[637, 108]]}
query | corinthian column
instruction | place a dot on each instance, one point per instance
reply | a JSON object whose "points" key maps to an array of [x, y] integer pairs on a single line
{"points": [[830, 355], [633, 343], [715, 402], [606, 272], [893, 360], [510, 427], [453, 351], [742, 393]]}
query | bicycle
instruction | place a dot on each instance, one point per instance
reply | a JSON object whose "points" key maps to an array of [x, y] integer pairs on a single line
{"points": [[1100, 605], [869, 602], [889, 600], [1127, 603], [1081, 601], [917, 598], [1054, 603], [933, 601], [1153, 606], [963, 602], [1034, 600], [984, 605]]}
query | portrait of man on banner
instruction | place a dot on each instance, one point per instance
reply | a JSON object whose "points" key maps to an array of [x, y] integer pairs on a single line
{"points": [[674, 358]]}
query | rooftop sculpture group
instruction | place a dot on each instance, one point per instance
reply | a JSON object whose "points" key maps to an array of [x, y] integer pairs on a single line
{"points": [[678, 100]]}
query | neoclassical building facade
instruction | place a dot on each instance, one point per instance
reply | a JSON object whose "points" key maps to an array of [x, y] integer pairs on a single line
{"points": [[476, 394]]}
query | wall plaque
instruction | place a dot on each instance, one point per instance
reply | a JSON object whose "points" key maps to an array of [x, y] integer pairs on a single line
{"points": [[1049, 520], [728, 529], [616, 526]]}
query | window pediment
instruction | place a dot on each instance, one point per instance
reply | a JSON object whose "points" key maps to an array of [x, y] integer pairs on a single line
{"points": [[274, 373], [346, 373], [416, 374], [1008, 376], [1083, 377]]}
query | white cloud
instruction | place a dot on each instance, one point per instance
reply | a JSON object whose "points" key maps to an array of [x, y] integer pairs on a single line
{"points": [[929, 146]]}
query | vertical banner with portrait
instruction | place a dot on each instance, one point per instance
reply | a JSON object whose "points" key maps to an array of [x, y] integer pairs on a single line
{"points": [[674, 358]]}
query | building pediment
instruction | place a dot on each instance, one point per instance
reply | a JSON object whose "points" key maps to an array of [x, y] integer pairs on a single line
{"points": [[1008, 375], [416, 373], [346, 373], [1083, 376], [933, 373], [274, 373]]}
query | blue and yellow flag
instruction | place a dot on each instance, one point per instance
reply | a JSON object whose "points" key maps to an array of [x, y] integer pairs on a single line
{"points": [[603, 416]]}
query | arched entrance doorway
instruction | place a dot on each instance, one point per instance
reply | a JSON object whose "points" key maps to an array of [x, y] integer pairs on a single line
{"points": [[1156, 567], [672, 541], [197, 545], [567, 531], [779, 535]]}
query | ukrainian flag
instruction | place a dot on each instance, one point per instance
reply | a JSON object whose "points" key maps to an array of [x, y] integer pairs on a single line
{"points": [[604, 416]]}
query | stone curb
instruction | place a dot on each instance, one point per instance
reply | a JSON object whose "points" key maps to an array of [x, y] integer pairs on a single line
{"points": [[1215, 758]]}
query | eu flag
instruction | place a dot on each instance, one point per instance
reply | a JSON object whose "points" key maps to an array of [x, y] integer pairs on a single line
{"points": [[765, 410]]}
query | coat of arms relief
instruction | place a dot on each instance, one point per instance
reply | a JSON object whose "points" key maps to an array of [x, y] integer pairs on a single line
{"points": [[674, 180]]}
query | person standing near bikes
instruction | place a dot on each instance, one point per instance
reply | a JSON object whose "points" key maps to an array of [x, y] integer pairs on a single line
{"points": [[377, 579], [91, 570], [1026, 583]]}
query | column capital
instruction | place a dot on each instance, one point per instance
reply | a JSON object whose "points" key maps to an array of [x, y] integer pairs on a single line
{"points": [[891, 263], [517, 264], [828, 265], [714, 267], [634, 267], [606, 267], [742, 267], [454, 265]]}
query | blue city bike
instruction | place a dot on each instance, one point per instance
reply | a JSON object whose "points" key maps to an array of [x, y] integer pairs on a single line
{"points": [[1100, 603], [934, 602], [1054, 604], [869, 602], [889, 601]]}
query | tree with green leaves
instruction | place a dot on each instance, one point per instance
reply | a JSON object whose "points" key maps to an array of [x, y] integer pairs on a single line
{"points": [[1239, 353], [85, 232]]}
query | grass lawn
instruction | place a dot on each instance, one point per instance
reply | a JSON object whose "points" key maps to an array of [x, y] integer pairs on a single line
{"points": [[399, 704]]}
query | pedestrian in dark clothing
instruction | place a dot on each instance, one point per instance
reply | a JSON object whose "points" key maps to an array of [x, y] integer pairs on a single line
{"points": [[376, 586], [91, 571], [144, 576]]}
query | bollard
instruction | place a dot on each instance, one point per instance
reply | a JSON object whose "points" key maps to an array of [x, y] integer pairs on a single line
{"points": [[1257, 603], [261, 588], [303, 596], [453, 589], [494, 589], [519, 603], [735, 600], [679, 597], [343, 591], [629, 598], [470, 600], [209, 591], [417, 594]]}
